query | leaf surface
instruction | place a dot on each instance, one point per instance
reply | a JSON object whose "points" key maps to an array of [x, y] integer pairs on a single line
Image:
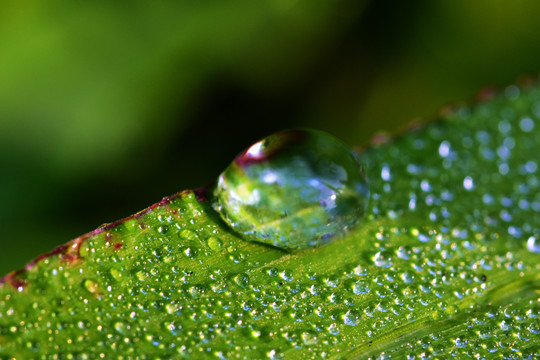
{"points": [[445, 264]]}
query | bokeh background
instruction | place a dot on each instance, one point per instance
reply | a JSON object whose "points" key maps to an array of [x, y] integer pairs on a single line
{"points": [[106, 107]]}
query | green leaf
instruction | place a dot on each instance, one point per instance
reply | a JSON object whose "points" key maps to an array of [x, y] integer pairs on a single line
{"points": [[446, 263]]}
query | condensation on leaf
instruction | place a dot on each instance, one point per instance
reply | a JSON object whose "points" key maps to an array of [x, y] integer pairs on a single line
{"points": [[444, 265]]}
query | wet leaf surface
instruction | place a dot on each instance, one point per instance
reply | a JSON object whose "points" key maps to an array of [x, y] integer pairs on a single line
{"points": [[445, 263]]}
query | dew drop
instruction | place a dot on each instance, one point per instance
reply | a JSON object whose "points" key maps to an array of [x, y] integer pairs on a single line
{"points": [[171, 308], [91, 285], [241, 280], [116, 274], [468, 183], [333, 329], [214, 243], [444, 149], [121, 327], [286, 275], [295, 189], [404, 252], [533, 244], [526, 124], [360, 288], [383, 259], [351, 318], [309, 338]]}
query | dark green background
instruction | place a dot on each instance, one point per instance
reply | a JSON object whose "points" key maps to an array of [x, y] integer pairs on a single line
{"points": [[107, 107]]}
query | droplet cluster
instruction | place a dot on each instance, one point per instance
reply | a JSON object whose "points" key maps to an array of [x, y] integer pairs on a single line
{"points": [[484, 173], [444, 265]]}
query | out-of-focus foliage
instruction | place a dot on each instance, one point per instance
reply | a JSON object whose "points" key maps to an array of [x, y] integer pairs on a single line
{"points": [[98, 100]]}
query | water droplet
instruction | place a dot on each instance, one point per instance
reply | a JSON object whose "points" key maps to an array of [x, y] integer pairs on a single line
{"points": [[468, 183], [461, 342], [333, 329], [171, 308], [121, 327], [273, 272], [163, 229], [286, 275], [309, 338], [295, 189], [533, 245], [351, 318], [360, 288], [383, 259], [404, 252], [444, 149], [241, 279], [191, 252], [526, 124], [116, 274], [214, 243], [91, 285]]}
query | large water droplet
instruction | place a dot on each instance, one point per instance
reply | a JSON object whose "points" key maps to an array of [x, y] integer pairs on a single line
{"points": [[295, 189]]}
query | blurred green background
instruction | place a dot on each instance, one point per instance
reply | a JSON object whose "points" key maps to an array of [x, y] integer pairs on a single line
{"points": [[106, 107]]}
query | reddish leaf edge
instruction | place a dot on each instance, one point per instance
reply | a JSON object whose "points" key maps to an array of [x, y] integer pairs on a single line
{"points": [[70, 251]]}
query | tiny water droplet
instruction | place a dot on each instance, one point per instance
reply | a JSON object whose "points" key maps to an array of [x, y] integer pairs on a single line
{"points": [[116, 274], [171, 308], [404, 252], [461, 342], [121, 327], [533, 244], [360, 288], [191, 252], [295, 189], [241, 280], [214, 243], [333, 329], [163, 229], [383, 259], [351, 318], [286, 275], [309, 338], [273, 272], [91, 285]]}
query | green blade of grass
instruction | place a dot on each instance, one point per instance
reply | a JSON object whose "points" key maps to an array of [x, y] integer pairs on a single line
{"points": [[444, 264]]}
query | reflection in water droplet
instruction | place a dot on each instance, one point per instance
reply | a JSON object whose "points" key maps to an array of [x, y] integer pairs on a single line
{"points": [[295, 189]]}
